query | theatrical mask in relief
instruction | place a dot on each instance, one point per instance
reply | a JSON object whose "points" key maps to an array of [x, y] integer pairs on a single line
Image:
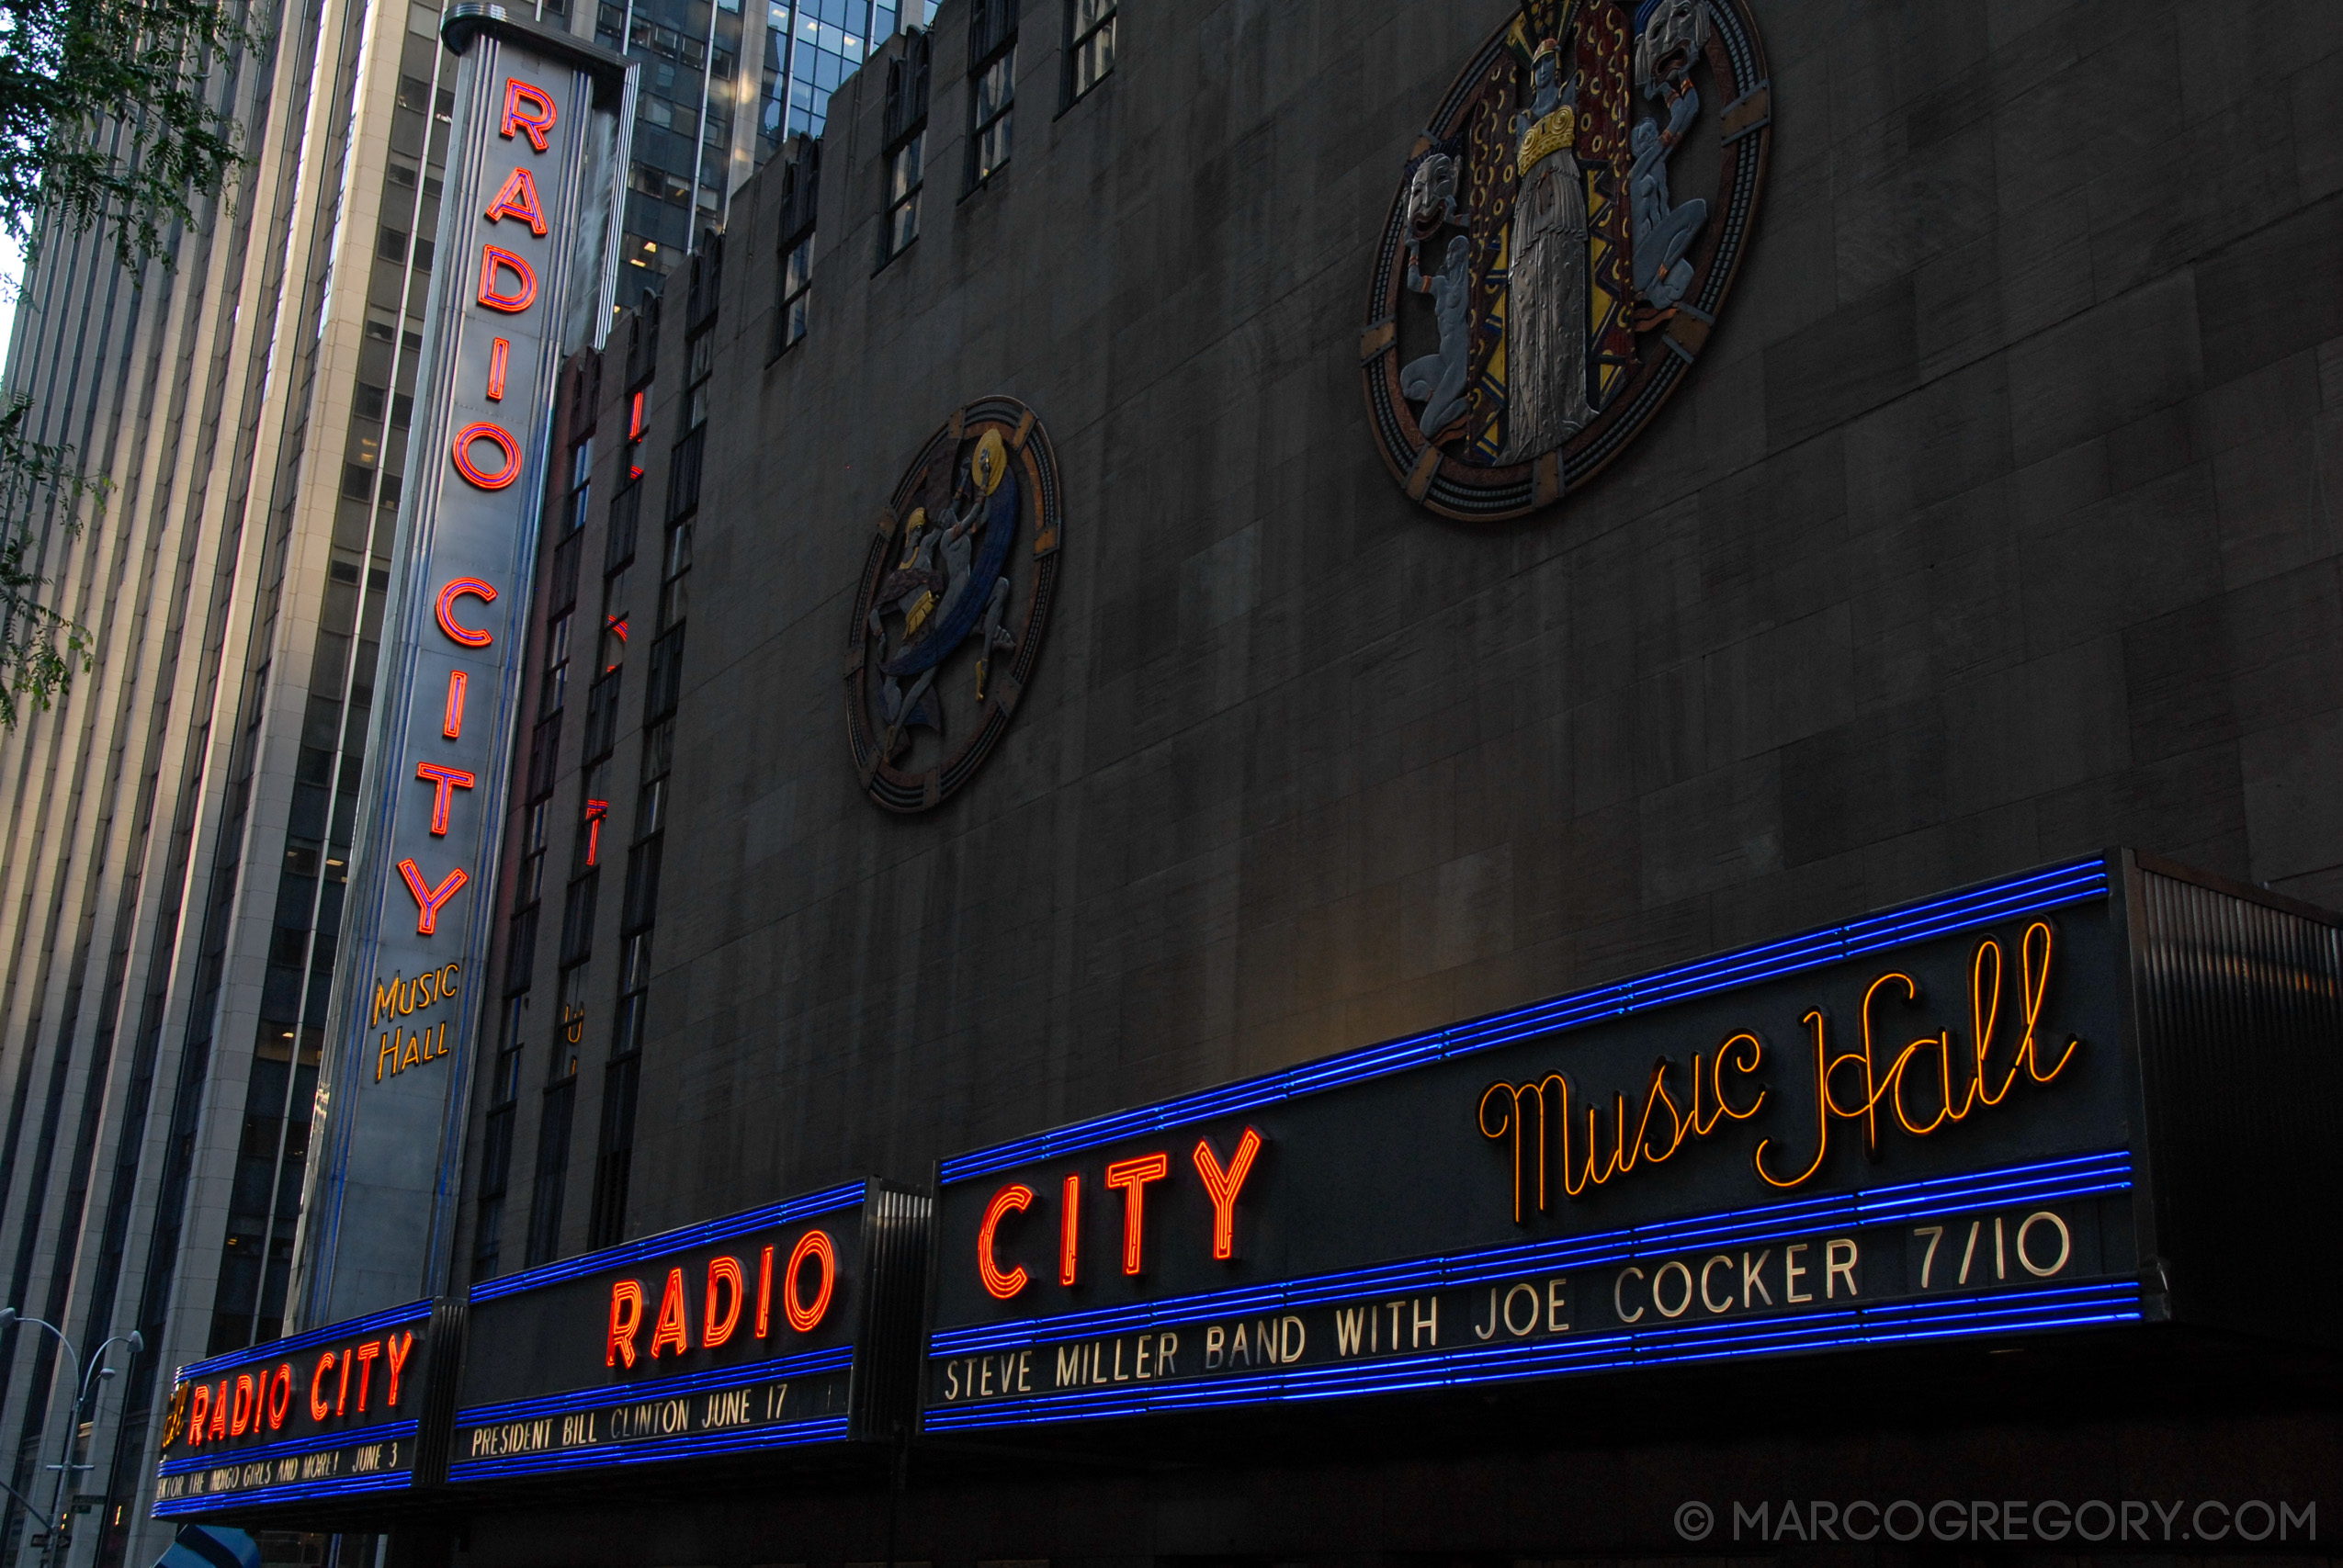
{"points": [[954, 599], [1564, 236]]}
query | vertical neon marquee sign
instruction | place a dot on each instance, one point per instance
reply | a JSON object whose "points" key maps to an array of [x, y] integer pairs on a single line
{"points": [[528, 237]]}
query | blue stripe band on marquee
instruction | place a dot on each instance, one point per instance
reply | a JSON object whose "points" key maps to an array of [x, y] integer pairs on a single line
{"points": [[2078, 1306], [296, 1491], [2034, 893], [390, 1317], [2045, 1181]]}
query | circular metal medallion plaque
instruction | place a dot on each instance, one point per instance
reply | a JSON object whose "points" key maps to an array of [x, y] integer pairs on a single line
{"points": [[1564, 236], [954, 599]]}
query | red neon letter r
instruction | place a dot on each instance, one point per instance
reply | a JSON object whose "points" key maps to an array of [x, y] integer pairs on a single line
{"points": [[527, 109]]}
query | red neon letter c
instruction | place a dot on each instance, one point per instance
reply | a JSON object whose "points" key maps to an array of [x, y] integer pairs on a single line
{"points": [[1010, 1199], [501, 439], [319, 1407], [460, 588]]}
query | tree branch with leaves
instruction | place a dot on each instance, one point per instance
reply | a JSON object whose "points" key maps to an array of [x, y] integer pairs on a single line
{"points": [[39, 646], [108, 123]]}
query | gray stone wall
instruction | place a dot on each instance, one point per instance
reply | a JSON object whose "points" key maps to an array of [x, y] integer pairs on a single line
{"points": [[1999, 523]]}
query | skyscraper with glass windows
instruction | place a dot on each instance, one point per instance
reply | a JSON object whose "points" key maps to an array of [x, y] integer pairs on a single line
{"points": [[698, 133]]}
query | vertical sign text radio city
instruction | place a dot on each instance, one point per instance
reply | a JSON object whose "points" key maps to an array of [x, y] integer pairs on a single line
{"points": [[525, 234]]}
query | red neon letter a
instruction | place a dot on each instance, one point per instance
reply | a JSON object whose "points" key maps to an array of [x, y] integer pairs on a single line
{"points": [[518, 199], [429, 899], [527, 109], [672, 1330]]}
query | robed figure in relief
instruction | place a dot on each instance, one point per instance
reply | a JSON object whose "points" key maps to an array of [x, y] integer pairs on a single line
{"points": [[1546, 307]]}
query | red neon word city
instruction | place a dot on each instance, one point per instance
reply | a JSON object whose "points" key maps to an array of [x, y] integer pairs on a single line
{"points": [[1131, 1178], [431, 896]]}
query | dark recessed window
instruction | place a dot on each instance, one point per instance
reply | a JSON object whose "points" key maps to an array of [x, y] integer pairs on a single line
{"points": [[797, 285], [992, 85], [580, 481], [903, 181], [800, 183], [1090, 44], [905, 123]]}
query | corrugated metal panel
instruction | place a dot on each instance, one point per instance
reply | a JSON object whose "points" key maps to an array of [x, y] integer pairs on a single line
{"points": [[896, 1244], [2241, 1046]]}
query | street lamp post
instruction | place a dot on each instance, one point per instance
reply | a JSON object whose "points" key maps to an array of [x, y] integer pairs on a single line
{"points": [[94, 1374]]}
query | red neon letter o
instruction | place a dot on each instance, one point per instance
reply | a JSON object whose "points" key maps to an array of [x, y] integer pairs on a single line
{"points": [[815, 1245], [280, 1395], [473, 472], [1013, 1197], [461, 587]]}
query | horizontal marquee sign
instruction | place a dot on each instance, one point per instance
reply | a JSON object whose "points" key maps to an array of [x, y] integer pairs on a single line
{"points": [[793, 1323], [2041, 1104], [351, 1409], [1917, 1126]]}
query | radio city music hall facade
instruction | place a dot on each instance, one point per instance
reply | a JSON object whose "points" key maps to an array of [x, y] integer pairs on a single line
{"points": [[1514, 781]]}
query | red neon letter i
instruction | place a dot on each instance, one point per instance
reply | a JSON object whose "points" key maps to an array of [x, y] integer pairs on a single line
{"points": [[499, 353]]}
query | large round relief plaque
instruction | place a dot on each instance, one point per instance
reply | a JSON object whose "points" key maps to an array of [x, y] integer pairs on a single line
{"points": [[1565, 233], [954, 599]]}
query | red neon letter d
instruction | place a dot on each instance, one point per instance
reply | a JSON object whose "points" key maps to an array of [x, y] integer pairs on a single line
{"points": [[495, 258]]}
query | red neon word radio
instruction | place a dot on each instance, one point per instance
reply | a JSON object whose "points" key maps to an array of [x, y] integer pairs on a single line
{"points": [[341, 1382], [1131, 1178], [804, 1300]]}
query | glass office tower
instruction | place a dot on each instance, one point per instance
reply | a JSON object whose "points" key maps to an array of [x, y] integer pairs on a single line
{"points": [[704, 120]]}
